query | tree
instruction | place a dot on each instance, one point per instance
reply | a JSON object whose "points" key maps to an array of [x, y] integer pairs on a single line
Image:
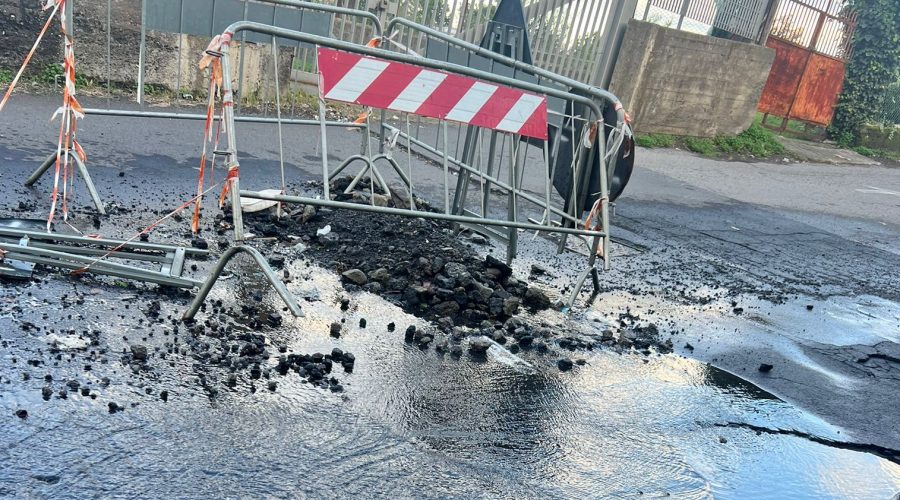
{"points": [[873, 67]]}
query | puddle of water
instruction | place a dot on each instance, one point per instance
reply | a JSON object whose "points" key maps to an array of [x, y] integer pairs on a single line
{"points": [[413, 423]]}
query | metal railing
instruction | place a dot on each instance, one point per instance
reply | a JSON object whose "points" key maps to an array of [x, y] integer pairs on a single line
{"points": [[742, 19], [599, 232], [823, 26]]}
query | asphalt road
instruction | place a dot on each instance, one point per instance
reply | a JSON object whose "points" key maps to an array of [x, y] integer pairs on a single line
{"points": [[725, 257]]}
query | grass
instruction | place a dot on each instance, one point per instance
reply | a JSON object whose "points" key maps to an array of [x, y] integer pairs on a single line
{"points": [[877, 153], [655, 140], [6, 76], [756, 141]]}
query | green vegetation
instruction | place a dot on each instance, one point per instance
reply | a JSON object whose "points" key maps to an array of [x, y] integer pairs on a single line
{"points": [[756, 141], [873, 67], [52, 74], [6, 76], [700, 145], [877, 153], [655, 141]]}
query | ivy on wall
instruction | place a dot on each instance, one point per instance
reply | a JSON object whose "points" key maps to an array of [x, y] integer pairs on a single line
{"points": [[873, 66]]}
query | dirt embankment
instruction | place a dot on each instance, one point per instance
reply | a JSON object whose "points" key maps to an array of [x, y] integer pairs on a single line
{"points": [[20, 23]]}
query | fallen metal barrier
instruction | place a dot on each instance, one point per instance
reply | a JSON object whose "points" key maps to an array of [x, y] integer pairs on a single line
{"points": [[81, 254], [264, 267], [375, 57], [78, 253]]}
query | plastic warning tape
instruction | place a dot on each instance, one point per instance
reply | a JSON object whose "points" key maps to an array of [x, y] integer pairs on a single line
{"points": [[379, 83]]}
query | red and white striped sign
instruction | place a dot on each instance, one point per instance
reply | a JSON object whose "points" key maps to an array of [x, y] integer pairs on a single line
{"points": [[382, 84]]}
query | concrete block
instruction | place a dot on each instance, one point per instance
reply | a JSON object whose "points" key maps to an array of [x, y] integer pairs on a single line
{"points": [[682, 83]]}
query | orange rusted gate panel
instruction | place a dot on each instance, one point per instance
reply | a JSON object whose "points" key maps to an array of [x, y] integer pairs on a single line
{"points": [[784, 77], [816, 99], [811, 39]]}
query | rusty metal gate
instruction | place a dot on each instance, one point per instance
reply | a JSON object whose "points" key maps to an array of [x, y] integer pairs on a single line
{"points": [[811, 39]]}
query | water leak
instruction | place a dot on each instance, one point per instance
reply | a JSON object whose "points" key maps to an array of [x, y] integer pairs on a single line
{"points": [[412, 422]]}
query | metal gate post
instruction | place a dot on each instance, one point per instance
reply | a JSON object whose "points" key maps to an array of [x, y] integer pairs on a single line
{"points": [[232, 162], [142, 53], [616, 24]]}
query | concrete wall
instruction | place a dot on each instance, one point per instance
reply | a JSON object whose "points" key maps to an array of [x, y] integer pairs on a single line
{"points": [[887, 138], [681, 83]]}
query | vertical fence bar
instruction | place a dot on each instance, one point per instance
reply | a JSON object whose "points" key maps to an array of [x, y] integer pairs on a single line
{"points": [[180, 49], [228, 111], [141, 53], [685, 5], [446, 170], [240, 84], [108, 52], [322, 130]]}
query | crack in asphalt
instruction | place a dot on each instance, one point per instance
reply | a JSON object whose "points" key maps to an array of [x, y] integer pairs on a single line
{"points": [[887, 453]]}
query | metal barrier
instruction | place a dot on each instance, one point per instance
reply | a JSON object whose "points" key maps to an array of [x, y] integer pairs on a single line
{"points": [[598, 231], [169, 16], [468, 54]]}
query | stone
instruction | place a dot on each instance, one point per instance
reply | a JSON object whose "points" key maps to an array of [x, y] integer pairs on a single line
{"points": [[164, 395], [537, 270], [139, 352], [400, 197], [309, 211], [564, 364], [380, 200], [114, 407], [355, 276], [479, 345], [510, 306], [536, 299], [455, 270], [46, 392], [22, 413], [336, 329], [410, 333], [765, 368], [447, 308], [200, 243], [492, 262], [381, 275], [274, 318], [362, 322]]}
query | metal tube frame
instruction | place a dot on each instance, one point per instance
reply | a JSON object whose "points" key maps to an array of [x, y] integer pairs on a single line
{"points": [[264, 267], [599, 232]]}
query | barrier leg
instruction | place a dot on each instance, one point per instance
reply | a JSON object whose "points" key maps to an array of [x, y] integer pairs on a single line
{"points": [[41, 170], [82, 169], [264, 267], [344, 165]]}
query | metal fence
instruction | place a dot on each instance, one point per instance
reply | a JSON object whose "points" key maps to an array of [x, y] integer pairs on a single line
{"points": [[890, 108], [823, 26], [739, 19], [566, 36]]}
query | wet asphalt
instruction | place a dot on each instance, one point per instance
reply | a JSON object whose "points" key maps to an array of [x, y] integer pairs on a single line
{"points": [[741, 264]]}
